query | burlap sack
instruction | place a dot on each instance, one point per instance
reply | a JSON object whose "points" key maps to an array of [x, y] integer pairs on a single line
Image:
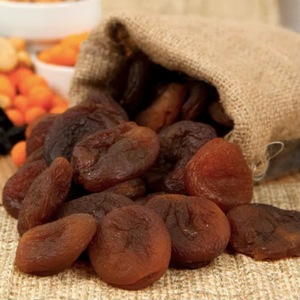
{"points": [[254, 67]]}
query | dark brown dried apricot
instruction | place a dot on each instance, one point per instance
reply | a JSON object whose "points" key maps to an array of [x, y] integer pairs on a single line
{"points": [[17, 186], [131, 248], [112, 156], [51, 248], [69, 127], [199, 230], [140, 70], [194, 105], [47, 192], [38, 154], [97, 205], [132, 189], [38, 134], [219, 172], [178, 143], [165, 110], [108, 104], [264, 231]]}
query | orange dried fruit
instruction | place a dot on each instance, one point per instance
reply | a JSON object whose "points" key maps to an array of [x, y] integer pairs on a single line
{"points": [[75, 40], [19, 75], [18, 153], [21, 103], [30, 82], [15, 116], [58, 109], [5, 101], [6, 86], [45, 56], [40, 96], [58, 101], [32, 113], [64, 55]]}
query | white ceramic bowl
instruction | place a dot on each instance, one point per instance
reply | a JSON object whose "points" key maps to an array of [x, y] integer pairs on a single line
{"points": [[48, 21], [58, 77]]}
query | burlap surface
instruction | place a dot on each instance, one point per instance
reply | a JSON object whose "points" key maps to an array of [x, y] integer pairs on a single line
{"points": [[235, 277], [254, 67]]}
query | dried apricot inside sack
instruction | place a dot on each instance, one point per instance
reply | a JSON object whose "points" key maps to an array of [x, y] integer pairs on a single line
{"points": [[219, 172], [131, 248], [50, 248]]}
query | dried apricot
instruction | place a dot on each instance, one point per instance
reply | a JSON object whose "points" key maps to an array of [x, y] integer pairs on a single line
{"points": [[195, 103], [18, 153], [51, 248], [38, 154], [15, 116], [178, 143], [132, 189], [219, 172], [264, 231], [17, 186], [111, 156], [97, 205], [47, 192], [199, 230], [33, 113], [165, 110], [71, 126], [38, 134], [131, 248]]}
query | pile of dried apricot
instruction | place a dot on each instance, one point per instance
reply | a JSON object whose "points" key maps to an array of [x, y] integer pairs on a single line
{"points": [[139, 183]]}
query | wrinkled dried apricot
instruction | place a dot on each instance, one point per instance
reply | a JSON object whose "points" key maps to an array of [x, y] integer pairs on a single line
{"points": [[131, 248], [199, 230], [38, 154], [178, 143], [264, 231], [219, 172], [38, 134], [17, 186], [112, 156], [110, 106], [132, 189], [165, 110], [138, 72], [51, 248], [69, 127], [47, 192], [97, 205]]}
